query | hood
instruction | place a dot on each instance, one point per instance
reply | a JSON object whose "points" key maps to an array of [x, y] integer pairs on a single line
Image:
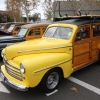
{"points": [[41, 45], [8, 38]]}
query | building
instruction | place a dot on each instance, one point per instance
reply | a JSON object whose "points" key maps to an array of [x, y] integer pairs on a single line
{"points": [[3, 12], [3, 16], [71, 7]]}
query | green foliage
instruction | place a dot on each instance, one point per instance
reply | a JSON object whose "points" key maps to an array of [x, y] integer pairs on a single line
{"points": [[9, 19], [24, 19], [35, 17], [48, 14], [5, 18], [48, 9]]}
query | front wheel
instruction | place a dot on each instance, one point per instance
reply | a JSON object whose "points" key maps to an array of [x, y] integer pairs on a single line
{"points": [[51, 80]]}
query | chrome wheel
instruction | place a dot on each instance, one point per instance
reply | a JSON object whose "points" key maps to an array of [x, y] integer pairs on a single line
{"points": [[52, 80]]}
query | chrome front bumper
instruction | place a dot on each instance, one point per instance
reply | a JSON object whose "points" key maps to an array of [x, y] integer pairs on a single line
{"points": [[14, 85]]}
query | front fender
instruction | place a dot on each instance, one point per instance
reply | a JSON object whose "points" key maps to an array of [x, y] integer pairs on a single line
{"points": [[36, 65]]}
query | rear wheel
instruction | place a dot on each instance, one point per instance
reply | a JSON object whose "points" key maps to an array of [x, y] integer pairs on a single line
{"points": [[51, 80]]}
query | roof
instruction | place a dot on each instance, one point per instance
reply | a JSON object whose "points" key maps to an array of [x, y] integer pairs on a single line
{"points": [[35, 25], [17, 24], [79, 20]]}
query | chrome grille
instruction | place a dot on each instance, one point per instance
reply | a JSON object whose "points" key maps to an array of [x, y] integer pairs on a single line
{"points": [[13, 71]]}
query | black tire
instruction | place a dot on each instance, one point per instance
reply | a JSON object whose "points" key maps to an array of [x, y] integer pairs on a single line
{"points": [[50, 80]]}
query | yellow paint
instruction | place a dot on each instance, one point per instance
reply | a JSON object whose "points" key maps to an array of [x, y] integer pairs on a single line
{"points": [[39, 56]]}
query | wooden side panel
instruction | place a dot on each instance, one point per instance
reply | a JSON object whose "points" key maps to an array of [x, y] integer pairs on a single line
{"points": [[94, 54], [95, 42], [81, 59], [81, 48], [94, 48], [81, 55], [79, 66], [86, 51]]}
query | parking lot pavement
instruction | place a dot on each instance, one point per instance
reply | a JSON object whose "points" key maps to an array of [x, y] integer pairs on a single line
{"points": [[90, 74], [67, 90]]}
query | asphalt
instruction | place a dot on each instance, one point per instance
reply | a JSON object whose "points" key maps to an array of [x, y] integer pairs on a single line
{"points": [[90, 75]]}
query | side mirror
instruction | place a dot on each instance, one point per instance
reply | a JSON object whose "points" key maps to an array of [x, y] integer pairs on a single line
{"points": [[78, 38]]}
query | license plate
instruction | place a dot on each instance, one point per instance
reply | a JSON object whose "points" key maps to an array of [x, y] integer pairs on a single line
{"points": [[2, 76]]}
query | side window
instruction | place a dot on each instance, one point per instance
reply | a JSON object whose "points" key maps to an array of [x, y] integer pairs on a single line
{"points": [[31, 32], [35, 31], [83, 33], [44, 28], [96, 31]]}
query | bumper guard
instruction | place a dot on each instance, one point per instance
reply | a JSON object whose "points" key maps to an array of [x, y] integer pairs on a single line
{"points": [[14, 85]]}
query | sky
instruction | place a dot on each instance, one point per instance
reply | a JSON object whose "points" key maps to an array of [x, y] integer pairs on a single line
{"points": [[2, 5], [39, 10]]}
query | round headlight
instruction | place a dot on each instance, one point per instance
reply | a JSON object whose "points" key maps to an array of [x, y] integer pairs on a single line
{"points": [[22, 69], [2, 54]]}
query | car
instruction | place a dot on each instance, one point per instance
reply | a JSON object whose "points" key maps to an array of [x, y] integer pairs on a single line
{"points": [[66, 46], [4, 27], [13, 28], [26, 32], [10, 28]]}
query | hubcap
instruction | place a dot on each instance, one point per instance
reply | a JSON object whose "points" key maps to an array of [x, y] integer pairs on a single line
{"points": [[52, 80]]}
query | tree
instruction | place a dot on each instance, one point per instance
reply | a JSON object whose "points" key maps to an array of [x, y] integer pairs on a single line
{"points": [[49, 8], [35, 17], [27, 6], [13, 9], [4, 18], [48, 14], [20, 8]]}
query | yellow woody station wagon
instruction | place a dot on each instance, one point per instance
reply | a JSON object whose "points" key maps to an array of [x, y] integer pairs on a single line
{"points": [[66, 46]]}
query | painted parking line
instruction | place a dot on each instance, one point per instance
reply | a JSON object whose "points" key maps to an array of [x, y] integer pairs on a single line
{"points": [[0, 79], [3, 88], [85, 85], [48, 94]]}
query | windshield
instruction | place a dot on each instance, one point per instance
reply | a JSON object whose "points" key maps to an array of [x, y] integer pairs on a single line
{"points": [[2, 27], [59, 32], [22, 32], [11, 28]]}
